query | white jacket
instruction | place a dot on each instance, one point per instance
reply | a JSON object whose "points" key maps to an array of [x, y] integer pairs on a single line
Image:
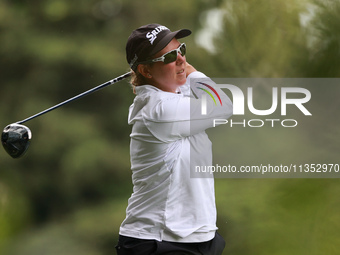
{"points": [[168, 140]]}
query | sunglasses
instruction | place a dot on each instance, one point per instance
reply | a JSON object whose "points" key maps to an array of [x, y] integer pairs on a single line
{"points": [[168, 57]]}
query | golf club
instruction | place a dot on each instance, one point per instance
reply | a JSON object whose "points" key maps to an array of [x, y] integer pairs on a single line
{"points": [[16, 138]]}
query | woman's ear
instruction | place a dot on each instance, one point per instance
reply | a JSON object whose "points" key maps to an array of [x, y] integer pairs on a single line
{"points": [[145, 71]]}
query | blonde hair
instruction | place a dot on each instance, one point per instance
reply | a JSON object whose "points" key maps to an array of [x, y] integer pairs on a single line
{"points": [[137, 79]]}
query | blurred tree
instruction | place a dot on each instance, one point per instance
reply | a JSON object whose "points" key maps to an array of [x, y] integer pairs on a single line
{"points": [[325, 32], [259, 39], [79, 157]]}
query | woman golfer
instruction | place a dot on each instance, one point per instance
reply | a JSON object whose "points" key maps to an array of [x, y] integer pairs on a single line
{"points": [[169, 212]]}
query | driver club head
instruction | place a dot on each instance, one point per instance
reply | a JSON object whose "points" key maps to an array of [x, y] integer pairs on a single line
{"points": [[15, 139]]}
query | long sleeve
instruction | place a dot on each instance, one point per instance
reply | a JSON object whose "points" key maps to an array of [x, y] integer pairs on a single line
{"points": [[171, 117]]}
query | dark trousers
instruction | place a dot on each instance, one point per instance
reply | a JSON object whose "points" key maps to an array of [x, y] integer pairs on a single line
{"points": [[134, 246]]}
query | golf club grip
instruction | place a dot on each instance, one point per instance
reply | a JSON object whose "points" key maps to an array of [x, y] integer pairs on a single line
{"points": [[117, 79]]}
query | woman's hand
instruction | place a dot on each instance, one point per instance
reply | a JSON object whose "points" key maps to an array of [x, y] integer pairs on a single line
{"points": [[189, 69]]}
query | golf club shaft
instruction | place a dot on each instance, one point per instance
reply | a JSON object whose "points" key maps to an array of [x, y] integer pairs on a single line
{"points": [[119, 78]]}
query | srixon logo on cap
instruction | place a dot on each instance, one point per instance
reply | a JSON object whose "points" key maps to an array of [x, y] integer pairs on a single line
{"points": [[152, 36]]}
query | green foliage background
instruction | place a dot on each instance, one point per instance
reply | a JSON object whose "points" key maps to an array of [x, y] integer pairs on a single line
{"points": [[68, 194]]}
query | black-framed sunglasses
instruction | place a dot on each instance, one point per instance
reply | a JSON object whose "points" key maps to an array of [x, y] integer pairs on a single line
{"points": [[168, 57]]}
